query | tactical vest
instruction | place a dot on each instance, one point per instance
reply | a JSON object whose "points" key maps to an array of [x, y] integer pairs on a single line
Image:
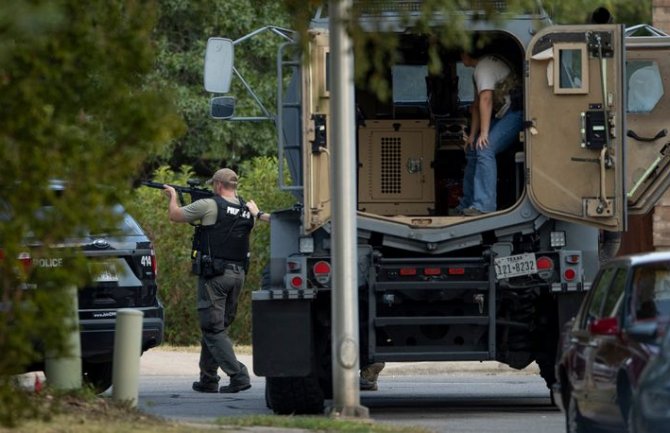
{"points": [[228, 238]]}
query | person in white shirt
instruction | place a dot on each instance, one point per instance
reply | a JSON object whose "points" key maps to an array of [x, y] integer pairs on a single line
{"points": [[496, 122]]}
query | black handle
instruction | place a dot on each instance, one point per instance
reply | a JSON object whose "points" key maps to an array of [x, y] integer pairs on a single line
{"points": [[662, 133]]}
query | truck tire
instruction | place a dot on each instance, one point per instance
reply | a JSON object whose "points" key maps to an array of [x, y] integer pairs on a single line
{"points": [[98, 375], [294, 395]]}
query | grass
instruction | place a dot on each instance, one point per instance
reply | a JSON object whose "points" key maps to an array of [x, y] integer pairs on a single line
{"points": [[320, 424]]}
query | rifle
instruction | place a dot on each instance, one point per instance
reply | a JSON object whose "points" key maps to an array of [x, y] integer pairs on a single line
{"points": [[194, 190]]}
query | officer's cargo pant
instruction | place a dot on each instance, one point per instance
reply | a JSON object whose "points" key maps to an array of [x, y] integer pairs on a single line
{"points": [[217, 305]]}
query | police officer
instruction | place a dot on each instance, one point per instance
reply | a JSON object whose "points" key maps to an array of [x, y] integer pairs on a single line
{"points": [[221, 245]]}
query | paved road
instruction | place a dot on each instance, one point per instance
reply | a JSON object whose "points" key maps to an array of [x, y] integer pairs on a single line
{"points": [[444, 397]]}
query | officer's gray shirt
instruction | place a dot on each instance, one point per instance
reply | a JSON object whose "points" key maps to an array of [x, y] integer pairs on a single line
{"points": [[204, 210]]}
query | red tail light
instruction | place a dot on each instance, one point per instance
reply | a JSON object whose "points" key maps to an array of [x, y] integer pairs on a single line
{"points": [[544, 264], [456, 271], [432, 271], [322, 271], [321, 268], [296, 282], [569, 274], [407, 271]]}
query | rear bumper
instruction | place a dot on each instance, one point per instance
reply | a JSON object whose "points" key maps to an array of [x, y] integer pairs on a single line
{"points": [[98, 329]]}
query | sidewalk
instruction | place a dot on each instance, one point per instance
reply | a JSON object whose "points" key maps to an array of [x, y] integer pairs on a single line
{"points": [[166, 360]]}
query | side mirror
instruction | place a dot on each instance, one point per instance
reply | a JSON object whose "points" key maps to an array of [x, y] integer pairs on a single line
{"points": [[605, 326], [222, 107], [219, 65]]}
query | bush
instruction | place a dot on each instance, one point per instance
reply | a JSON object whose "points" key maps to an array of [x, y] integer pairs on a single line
{"points": [[172, 244]]}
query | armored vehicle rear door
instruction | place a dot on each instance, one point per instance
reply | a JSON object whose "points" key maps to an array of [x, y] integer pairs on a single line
{"points": [[316, 154], [647, 121], [574, 137]]}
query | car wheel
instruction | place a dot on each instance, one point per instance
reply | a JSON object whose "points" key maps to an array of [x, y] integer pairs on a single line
{"points": [[98, 375], [574, 421]]}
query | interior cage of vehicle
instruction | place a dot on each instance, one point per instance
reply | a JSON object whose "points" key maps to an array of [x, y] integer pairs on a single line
{"points": [[411, 147]]}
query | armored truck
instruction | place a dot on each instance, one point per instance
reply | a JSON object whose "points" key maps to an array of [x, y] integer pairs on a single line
{"points": [[434, 285]]}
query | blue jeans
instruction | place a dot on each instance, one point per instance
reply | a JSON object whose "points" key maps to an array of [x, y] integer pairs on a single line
{"points": [[481, 172]]}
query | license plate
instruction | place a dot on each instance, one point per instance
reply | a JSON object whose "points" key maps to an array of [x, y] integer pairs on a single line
{"points": [[105, 272], [514, 266]]}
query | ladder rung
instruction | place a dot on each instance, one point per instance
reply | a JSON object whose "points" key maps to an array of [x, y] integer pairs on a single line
{"points": [[432, 320]]}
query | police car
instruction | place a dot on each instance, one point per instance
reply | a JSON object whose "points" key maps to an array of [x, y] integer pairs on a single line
{"points": [[122, 274]]}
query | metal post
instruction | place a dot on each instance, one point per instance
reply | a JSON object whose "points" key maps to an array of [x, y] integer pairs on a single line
{"points": [[346, 398], [64, 372], [127, 351]]}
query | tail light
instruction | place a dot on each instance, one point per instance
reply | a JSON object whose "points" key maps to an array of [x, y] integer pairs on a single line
{"points": [[432, 271], [293, 265], [545, 267], [154, 262], [322, 272], [406, 272], [571, 267], [296, 282]]}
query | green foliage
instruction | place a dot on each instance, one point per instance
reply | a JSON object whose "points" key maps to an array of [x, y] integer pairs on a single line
{"points": [[74, 105], [181, 37], [172, 243]]}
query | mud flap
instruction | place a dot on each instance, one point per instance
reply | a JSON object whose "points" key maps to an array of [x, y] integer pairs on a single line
{"points": [[282, 337]]}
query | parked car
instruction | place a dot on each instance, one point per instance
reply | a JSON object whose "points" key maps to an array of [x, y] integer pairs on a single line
{"points": [[123, 275], [650, 412], [607, 345]]}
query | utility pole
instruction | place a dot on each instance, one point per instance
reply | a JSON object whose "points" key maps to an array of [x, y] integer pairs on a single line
{"points": [[346, 362]]}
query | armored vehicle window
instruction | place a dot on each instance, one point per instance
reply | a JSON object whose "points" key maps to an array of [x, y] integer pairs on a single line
{"points": [[570, 74], [644, 86], [409, 84]]}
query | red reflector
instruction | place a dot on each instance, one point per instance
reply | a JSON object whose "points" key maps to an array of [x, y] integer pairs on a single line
{"points": [[296, 282], [569, 274], [456, 271], [321, 268], [432, 271], [407, 271], [544, 264]]}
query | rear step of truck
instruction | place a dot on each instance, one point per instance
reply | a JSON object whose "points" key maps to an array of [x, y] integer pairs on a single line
{"points": [[433, 309]]}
